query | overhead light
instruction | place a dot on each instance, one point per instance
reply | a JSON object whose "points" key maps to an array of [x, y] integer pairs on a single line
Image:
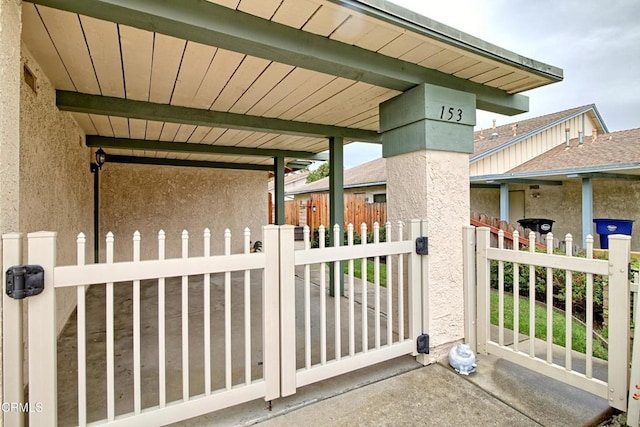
{"points": [[101, 157]]}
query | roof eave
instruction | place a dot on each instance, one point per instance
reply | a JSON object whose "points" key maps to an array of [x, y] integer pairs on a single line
{"points": [[557, 172], [407, 19]]}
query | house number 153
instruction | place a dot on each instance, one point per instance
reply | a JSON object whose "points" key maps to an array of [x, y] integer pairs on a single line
{"points": [[451, 114]]}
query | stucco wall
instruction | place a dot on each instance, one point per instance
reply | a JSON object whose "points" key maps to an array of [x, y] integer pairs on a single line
{"points": [[10, 28], [563, 204], [150, 198], [486, 201], [434, 185], [10, 68], [56, 192]]}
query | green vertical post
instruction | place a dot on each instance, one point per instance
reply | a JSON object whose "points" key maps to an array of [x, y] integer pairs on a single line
{"points": [[336, 200], [278, 172]]}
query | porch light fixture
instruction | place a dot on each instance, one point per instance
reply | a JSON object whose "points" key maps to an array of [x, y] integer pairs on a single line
{"points": [[101, 157], [95, 167]]}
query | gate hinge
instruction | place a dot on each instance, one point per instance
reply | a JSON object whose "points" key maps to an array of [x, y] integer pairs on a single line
{"points": [[24, 281], [422, 245]]}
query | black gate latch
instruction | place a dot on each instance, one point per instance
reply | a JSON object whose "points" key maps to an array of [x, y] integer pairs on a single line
{"points": [[24, 281], [422, 246]]}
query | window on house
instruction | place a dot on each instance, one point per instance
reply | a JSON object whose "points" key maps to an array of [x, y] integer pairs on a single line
{"points": [[380, 198]]}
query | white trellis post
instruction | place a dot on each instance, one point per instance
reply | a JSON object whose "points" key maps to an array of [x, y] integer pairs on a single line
{"points": [[483, 269], [42, 334], [469, 265], [619, 315], [270, 312], [287, 310]]}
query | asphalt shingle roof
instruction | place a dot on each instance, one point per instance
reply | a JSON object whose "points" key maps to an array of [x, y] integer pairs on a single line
{"points": [[610, 149], [372, 172], [483, 141]]}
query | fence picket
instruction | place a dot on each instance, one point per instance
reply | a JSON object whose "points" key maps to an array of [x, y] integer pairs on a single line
{"points": [[589, 333], [568, 344], [185, 321], [162, 384], [323, 301], [227, 315], [111, 409], [501, 291], [376, 285], [363, 279], [352, 322], [532, 298], [81, 323], [337, 273], [516, 293], [400, 285], [549, 302], [206, 237], [137, 405], [247, 311], [388, 235], [307, 302]]}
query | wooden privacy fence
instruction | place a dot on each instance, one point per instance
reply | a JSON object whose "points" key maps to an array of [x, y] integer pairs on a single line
{"points": [[315, 211]]}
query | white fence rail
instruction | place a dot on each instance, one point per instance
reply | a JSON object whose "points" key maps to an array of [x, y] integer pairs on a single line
{"points": [[549, 358]]}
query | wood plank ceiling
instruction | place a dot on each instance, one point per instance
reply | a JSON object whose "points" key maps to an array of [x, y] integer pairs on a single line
{"points": [[83, 54]]}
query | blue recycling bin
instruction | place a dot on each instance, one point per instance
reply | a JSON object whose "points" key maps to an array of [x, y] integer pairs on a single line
{"points": [[607, 226]]}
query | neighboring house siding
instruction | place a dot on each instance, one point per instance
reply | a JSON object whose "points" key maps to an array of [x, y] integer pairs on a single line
{"points": [[56, 185], [531, 147]]}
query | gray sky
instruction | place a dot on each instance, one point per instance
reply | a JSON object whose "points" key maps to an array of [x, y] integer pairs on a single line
{"points": [[595, 42]]}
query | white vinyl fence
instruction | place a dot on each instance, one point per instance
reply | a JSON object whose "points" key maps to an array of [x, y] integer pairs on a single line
{"points": [[542, 355], [163, 340], [364, 327], [120, 394]]}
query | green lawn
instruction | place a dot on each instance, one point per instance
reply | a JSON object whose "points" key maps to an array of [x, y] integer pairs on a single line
{"points": [[578, 329], [357, 271]]}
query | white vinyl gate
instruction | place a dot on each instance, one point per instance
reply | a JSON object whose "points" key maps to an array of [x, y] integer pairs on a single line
{"points": [[542, 355], [155, 345]]}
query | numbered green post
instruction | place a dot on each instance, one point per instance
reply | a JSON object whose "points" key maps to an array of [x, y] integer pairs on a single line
{"points": [[428, 117]]}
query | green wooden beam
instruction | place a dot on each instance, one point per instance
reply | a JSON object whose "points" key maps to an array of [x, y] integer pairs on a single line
{"points": [[336, 205], [526, 181], [183, 147], [215, 25], [278, 168], [119, 107], [480, 185], [186, 163]]}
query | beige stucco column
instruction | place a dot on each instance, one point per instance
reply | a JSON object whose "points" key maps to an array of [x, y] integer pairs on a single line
{"points": [[427, 135], [10, 67]]}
